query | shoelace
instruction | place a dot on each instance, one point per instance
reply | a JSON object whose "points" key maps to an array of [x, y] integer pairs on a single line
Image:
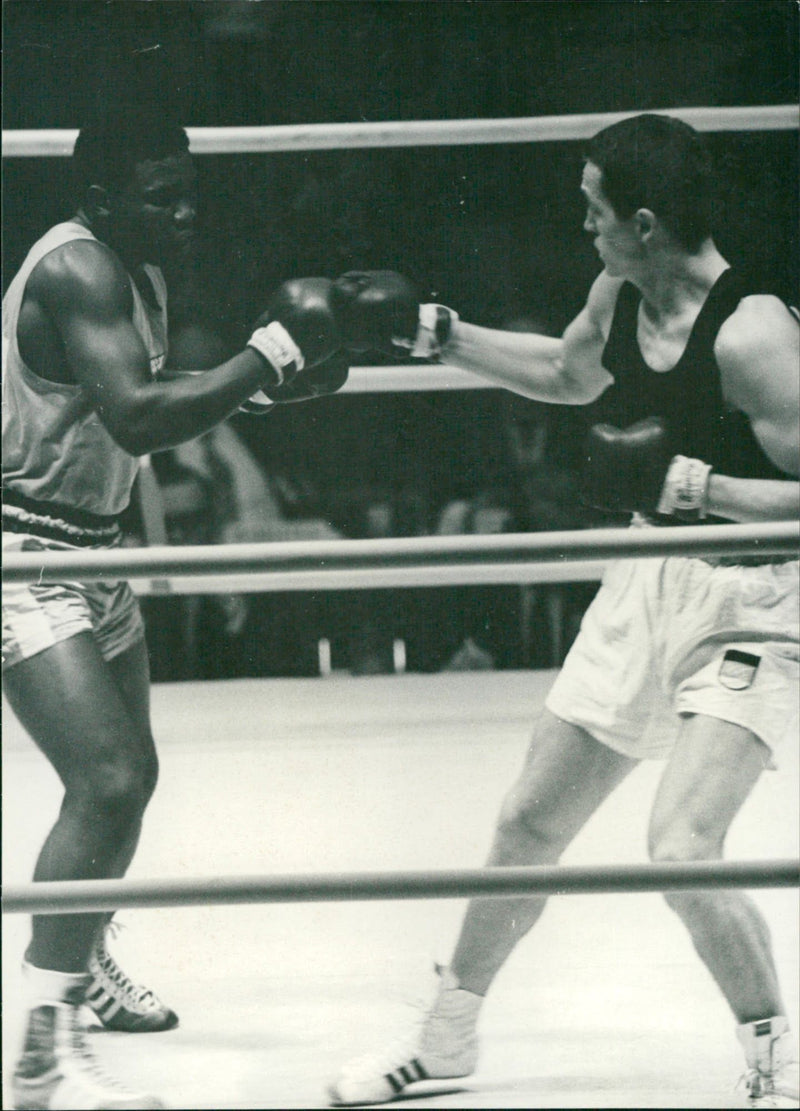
{"points": [[136, 994]]}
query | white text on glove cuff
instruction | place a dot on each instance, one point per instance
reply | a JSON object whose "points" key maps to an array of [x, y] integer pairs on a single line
{"points": [[278, 348], [685, 490]]}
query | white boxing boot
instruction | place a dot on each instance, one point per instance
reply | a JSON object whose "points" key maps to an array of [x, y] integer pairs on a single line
{"points": [[444, 1048]]}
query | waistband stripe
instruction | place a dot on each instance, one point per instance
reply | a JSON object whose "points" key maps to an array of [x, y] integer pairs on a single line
{"points": [[51, 527]]}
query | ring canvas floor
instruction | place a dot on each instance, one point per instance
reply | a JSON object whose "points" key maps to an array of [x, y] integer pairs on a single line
{"points": [[604, 1005]]}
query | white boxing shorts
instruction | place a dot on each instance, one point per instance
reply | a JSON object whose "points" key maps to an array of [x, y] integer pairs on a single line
{"points": [[38, 615], [670, 637]]}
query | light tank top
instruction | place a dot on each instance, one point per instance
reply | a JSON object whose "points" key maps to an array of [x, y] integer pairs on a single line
{"points": [[55, 448]]}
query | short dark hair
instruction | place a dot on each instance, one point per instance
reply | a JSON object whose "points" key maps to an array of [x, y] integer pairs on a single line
{"points": [[109, 146], [660, 163]]}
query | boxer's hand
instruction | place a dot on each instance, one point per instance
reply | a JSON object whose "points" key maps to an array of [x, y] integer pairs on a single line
{"points": [[296, 333], [317, 381], [380, 310], [634, 470]]}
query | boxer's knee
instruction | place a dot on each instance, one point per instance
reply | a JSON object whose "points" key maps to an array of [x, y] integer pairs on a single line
{"points": [[114, 791]]}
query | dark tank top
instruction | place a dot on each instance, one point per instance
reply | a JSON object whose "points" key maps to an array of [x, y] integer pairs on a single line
{"points": [[688, 397]]}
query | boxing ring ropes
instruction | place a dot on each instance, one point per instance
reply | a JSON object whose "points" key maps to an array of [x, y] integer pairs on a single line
{"points": [[417, 561]]}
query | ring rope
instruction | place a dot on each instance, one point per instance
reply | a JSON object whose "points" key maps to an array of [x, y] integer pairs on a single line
{"points": [[378, 578], [418, 553], [80, 896], [55, 142], [416, 377]]}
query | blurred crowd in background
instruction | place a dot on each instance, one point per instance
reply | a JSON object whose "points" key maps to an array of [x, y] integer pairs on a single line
{"points": [[366, 466], [494, 231]]}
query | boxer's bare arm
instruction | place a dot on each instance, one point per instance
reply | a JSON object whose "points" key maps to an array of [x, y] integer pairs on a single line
{"points": [[758, 352], [86, 294], [566, 370]]}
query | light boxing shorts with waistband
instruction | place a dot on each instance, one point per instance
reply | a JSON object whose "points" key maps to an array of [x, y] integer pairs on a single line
{"points": [[38, 615], [665, 638]]}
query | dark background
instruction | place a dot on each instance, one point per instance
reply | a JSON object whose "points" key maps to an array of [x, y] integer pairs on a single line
{"points": [[493, 230]]}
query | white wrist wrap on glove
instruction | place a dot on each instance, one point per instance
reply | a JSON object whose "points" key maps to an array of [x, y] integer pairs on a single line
{"points": [[278, 348], [685, 490], [434, 327]]}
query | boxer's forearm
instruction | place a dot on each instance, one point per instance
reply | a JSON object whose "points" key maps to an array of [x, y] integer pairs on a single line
{"points": [[527, 363], [750, 500]]}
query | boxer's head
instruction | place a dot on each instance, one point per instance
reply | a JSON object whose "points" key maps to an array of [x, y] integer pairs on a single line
{"points": [[136, 182]]}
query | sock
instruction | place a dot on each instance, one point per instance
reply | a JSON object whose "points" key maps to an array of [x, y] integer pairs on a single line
{"points": [[47, 987], [455, 1004]]}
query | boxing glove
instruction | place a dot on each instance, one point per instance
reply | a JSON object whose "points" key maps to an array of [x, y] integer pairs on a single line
{"points": [[380, 310], [634, 470], [316, 381], [296, 333]]}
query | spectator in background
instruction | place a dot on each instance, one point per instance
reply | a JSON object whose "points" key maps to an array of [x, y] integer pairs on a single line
{"points": [[482, 622], [544, 441], [551, 613], [369, 624], [214, 491], [534, 489]]}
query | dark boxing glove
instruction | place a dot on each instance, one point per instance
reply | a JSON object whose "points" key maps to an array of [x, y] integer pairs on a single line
{"points": [[380, 310], [316, 381], [634, 470], [297, 333]]}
